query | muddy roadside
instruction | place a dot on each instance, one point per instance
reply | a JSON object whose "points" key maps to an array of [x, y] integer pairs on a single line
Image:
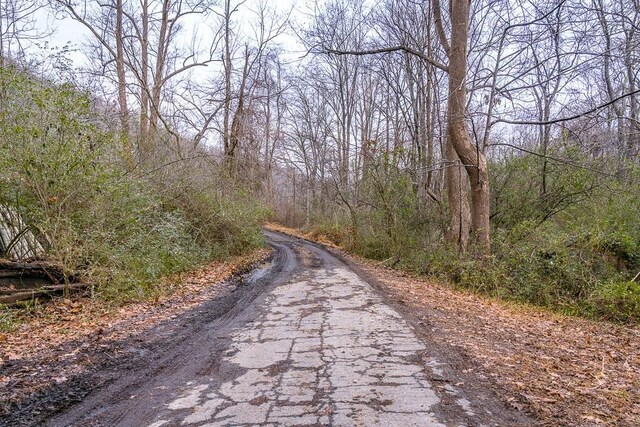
{"points": [[565, 371], [57, 356]]}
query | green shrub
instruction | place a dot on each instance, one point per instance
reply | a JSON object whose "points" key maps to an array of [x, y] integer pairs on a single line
{"points": [[61, 169], [618, 301], [573, 249]]}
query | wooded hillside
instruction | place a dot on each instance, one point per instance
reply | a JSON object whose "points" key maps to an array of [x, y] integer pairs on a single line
{"points": [[494, 145]]}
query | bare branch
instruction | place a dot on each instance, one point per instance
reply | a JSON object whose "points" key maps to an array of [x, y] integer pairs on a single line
{"points": [[569, 118], [406, 49]]}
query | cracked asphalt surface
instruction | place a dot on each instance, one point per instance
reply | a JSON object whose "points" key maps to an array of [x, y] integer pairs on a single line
{"points": [[315, 346]]}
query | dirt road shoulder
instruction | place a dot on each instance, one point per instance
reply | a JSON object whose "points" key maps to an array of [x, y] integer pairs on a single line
{"points": [[67, 348]]}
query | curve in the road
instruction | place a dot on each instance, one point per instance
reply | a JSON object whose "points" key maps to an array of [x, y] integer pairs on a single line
{"points": [[317, 347]]}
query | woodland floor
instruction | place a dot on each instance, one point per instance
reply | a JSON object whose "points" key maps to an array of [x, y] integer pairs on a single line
{"points": [[564, 370]]}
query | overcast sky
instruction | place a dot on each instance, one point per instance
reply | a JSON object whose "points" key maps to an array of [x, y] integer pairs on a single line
{"points": [[72, 33]]}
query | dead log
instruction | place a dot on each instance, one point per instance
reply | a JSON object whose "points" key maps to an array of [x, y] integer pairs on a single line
{"points": [[45, 291], [40, 269], [23, 281]]}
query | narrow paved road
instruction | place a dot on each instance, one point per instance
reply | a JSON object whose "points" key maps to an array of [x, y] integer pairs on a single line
{"points": [[317, 346]]}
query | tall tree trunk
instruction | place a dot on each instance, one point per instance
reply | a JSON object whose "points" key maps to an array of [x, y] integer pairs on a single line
{"points": [[144, 84], [3, 88], [546, 140], [457, 194], [125, 133], [611, 93], [634, 128], [156, 91], [237, 123], [227, 81], [470, 155]]}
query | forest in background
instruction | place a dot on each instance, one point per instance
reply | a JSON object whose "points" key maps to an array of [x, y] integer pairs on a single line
{"points": [[494, 145]]}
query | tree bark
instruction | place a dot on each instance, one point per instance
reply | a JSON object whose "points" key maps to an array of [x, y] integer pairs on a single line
{"points": [[122, 89], [237, 123], [164, 39], [470, 155], [144, 84], [227, 80], [457, 194]]}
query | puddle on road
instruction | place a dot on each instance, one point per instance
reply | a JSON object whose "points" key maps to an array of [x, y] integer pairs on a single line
{"points": [[257, 273]]}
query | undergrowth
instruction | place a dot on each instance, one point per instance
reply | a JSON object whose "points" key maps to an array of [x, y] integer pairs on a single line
{"points": [[63, 171], [578, 258]]}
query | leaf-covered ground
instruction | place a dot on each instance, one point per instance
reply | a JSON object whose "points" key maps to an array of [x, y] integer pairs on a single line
{"points": [[566, 371], [64, 338]]}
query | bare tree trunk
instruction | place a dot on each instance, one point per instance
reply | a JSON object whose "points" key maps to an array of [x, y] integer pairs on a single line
{"points": [[270, 149], [546, 140], [156, 92], [457, 193], [3, 89], [237, 123], [630, 51], [144, 84], [2, 53], [227, 80], [470, 155], [122, 89], [607, 72]]}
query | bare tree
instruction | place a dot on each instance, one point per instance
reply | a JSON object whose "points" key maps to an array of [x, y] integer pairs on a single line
{"points": [[143, 43], [19, 27]]}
